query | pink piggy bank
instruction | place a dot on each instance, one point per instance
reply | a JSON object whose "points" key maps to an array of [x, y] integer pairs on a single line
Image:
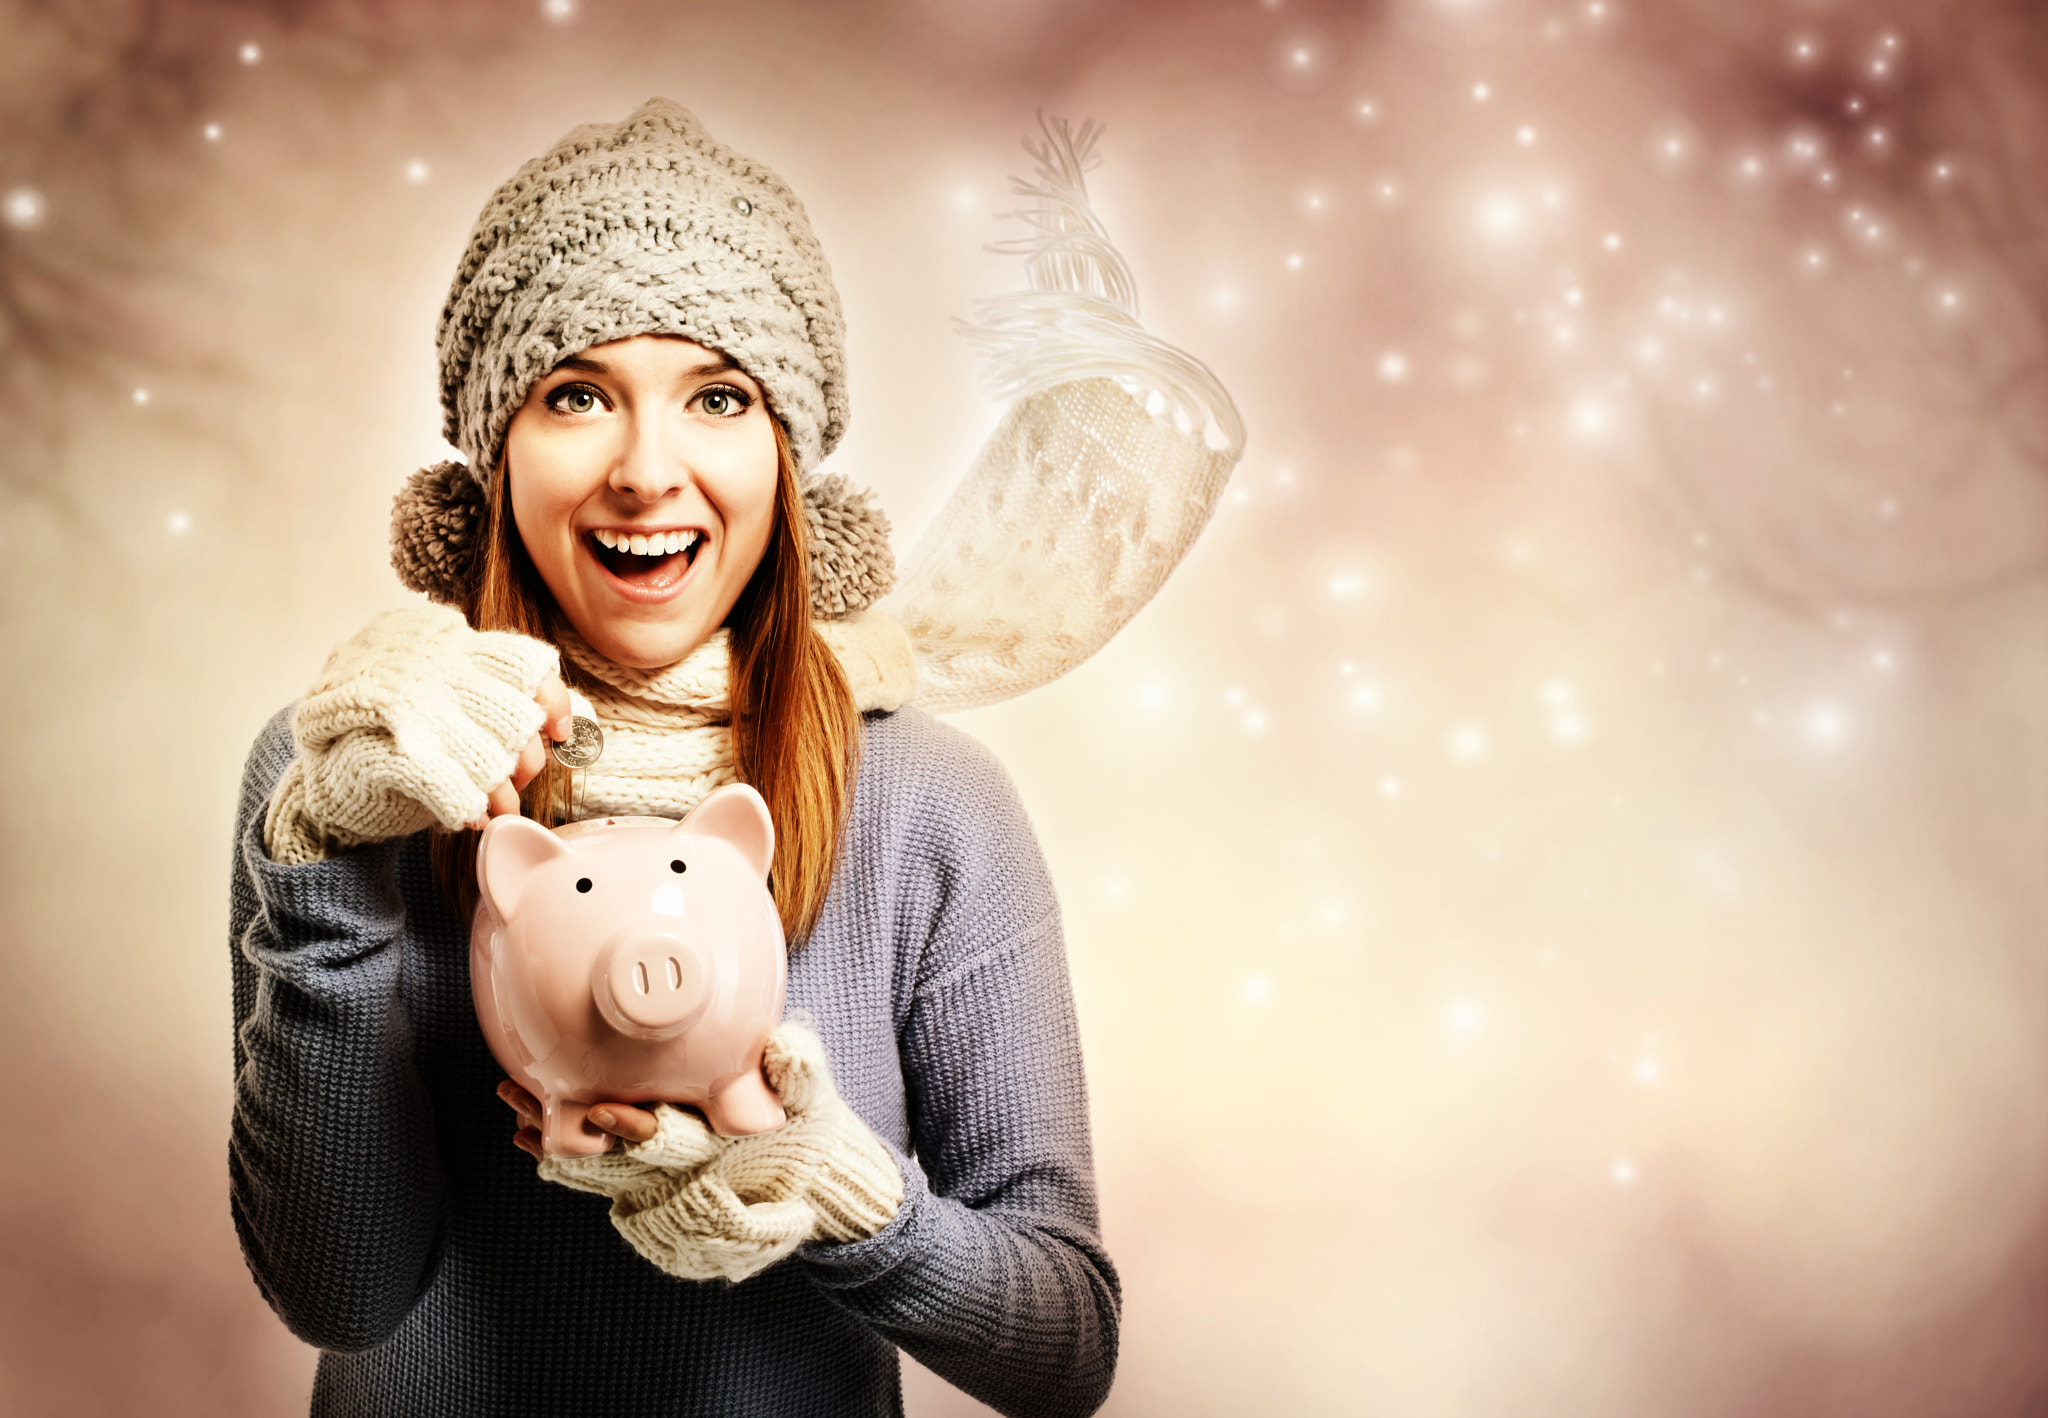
{"points": [[632, 960]]}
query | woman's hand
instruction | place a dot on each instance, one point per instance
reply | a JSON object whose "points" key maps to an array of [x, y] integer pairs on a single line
{"points": [[621, 1120], [415, 720], [553, 698], [701, 1206]]}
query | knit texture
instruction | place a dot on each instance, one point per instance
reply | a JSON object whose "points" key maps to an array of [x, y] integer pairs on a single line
{"points": [[852, 566], [389, 1220], [417, 717], [646, 227], [437, 522], [705, 1207], [1107, 465], [668, 733], [437, 525], [413, 720], [1107, 499]]}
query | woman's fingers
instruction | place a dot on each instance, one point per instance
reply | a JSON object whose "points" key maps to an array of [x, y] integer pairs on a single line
{"points": [[531, 760], [521, 1102], [527, 1138], [504, 800], [619, 1119], [553, 696], [624, 1120]]}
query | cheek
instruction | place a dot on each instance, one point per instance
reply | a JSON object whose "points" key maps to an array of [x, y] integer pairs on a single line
{"points": [[529, 513], [541, 503], [748, 497], [759, 512]]}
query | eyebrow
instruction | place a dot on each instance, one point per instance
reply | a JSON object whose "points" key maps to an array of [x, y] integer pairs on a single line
{"points": [[720, 365]]}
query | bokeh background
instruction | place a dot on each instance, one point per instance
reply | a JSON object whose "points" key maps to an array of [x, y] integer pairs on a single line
{"points": [[1556, 881]]}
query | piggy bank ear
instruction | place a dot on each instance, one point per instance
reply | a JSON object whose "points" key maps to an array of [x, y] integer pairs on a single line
{"points": [[736, 814], [506, 856]]}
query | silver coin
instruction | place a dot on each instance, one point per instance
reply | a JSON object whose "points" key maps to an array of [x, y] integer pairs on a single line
{"points": [[583, 747]]}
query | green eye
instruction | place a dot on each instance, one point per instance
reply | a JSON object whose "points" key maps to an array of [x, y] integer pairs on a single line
{"points": [[722, 403], [575, 399]]}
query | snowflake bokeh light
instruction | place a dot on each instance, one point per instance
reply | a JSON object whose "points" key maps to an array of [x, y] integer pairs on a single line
{"points": [[25, 208]]}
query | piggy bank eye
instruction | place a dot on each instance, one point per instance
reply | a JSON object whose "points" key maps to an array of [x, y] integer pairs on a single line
{"points": [[677, 865], [583, 883]]}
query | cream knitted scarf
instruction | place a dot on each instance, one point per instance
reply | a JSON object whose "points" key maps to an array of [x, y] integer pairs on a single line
{"points": [[668, 733]]}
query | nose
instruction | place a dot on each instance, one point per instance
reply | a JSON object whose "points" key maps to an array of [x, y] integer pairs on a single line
{"points": [[650, 983], [652, 464]]}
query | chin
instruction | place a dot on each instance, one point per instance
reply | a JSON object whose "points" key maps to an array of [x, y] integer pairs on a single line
{"points": [[648, 652]]}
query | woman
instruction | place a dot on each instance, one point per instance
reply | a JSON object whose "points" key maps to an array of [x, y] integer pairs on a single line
{"points": [[642, 358]]}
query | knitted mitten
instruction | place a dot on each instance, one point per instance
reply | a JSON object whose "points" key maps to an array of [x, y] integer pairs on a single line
{"points": [[681, 1143], [854, 1186], [412, 721], [702, 1206]]}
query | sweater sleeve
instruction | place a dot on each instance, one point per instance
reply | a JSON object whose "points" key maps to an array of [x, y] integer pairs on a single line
{"points": [[993, 1274], [334, 1183]]}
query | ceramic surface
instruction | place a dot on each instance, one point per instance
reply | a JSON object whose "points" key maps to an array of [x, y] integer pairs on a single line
{"points": [[632, 960]]}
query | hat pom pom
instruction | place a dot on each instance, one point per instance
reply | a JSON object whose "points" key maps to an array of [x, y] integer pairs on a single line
{"points": [[852, 566], [437, 524]]}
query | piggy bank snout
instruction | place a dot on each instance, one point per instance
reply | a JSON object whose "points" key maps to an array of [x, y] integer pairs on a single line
{"points": [[649, 982]]}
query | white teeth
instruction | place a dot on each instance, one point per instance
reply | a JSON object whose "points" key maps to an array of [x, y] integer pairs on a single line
{"points": [[642, 544]]}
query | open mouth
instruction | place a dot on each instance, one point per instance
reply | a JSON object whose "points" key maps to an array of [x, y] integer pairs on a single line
{"points": [[651, 561]]}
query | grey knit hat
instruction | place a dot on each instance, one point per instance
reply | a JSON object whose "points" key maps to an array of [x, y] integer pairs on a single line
{"points": [[647, 227]]}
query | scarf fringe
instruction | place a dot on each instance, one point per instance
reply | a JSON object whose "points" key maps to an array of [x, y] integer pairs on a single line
{"points": [[1079, 317]]}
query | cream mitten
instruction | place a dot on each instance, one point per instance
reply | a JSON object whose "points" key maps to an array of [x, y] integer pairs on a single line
{"points": [[702, 1206], [681, 1143], [855, 1187], [413, 720]]}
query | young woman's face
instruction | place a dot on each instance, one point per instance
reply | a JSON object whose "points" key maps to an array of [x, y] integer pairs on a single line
{"points": [[643, 486]]}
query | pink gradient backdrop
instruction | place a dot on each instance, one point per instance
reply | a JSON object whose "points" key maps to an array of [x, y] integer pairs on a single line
{"points": [[1555, 882]]}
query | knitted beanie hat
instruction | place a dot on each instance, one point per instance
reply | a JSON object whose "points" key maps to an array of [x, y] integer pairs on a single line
{"points": [[646, 227]]}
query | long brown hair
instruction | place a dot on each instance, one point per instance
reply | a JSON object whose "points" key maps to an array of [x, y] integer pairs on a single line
{"points": [[795, 729]]}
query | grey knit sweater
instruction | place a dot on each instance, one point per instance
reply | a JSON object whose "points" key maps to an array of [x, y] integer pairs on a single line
{"points": [[389, 1220]]}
